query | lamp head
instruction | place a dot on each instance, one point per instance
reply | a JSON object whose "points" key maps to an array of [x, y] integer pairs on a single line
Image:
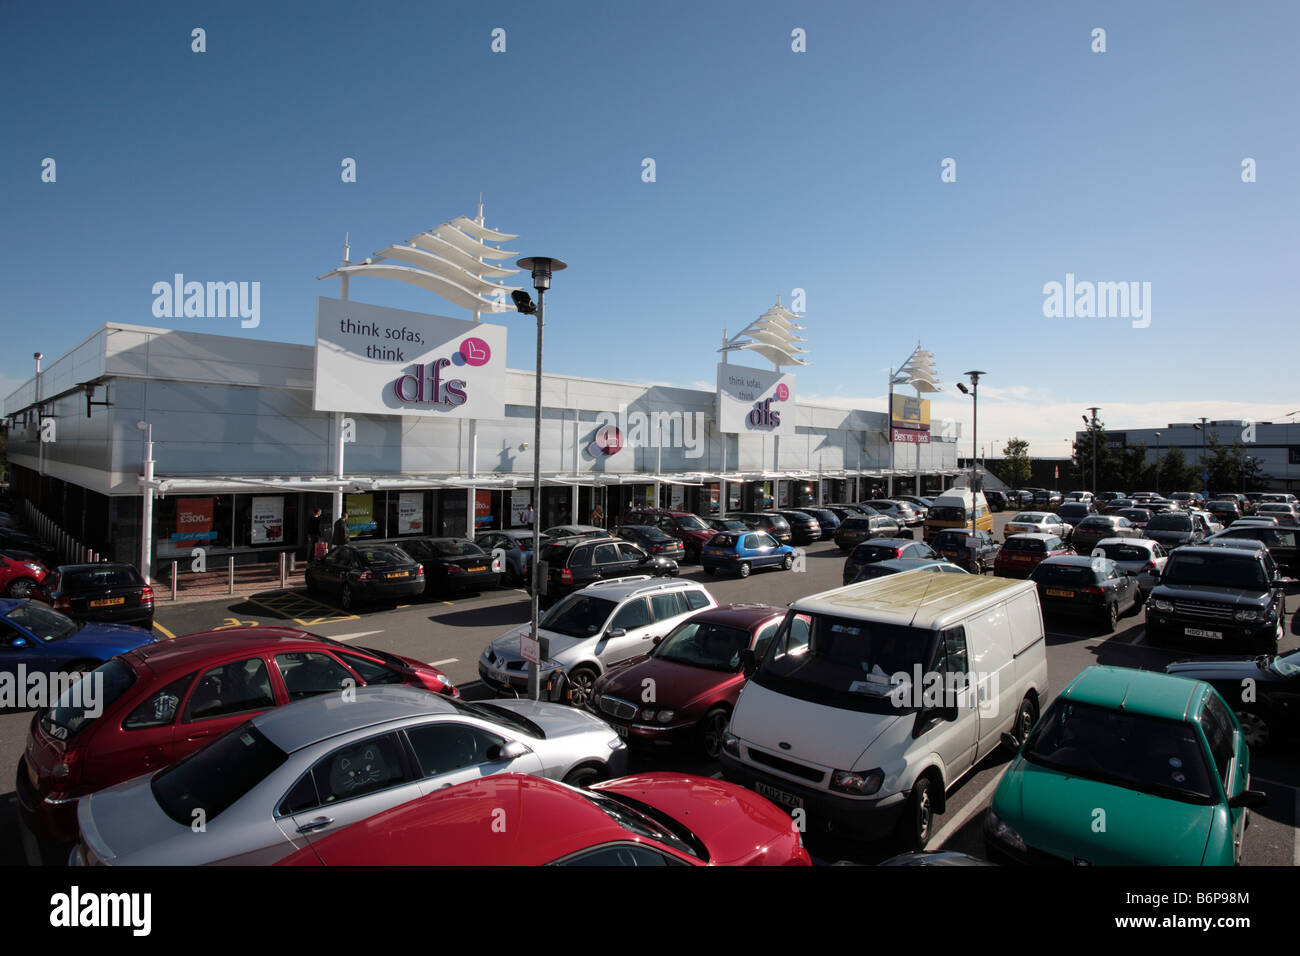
{"points": [[541, 267], [143, 426], [962, 388]]}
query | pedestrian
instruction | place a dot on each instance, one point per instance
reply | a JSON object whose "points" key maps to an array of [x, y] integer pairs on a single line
{"points": [[341, 530], [598, 516], [530, 516], [315, 533]]}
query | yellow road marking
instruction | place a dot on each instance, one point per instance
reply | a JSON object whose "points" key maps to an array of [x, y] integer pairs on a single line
{"points": [[295, 607], [166, 633]]}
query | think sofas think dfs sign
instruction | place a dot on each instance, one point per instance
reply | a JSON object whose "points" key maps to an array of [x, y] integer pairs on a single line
{"points": [[382, 361], [754, 401]]}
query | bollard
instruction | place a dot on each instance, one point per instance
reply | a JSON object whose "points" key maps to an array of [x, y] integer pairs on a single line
{"points": [[284, 567], [230, 565], [173, 580]]}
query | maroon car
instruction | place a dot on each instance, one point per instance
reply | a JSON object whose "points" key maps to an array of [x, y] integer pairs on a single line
{"points": [[162, 701], [689, 529], [687, 686]]}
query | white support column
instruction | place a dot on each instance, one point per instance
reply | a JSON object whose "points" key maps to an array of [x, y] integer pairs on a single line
{"points": [[337, 425], [575, 496], [146, 516]]}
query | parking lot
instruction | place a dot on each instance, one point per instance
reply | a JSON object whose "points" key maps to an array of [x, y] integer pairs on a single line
{"points": [[452, 633]]}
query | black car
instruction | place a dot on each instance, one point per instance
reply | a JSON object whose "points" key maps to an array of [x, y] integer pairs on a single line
{"points": [[12, 539], [726, 524], [1281, 543], [953, 544], [451, 564], [1224, 596], [653, 540], [1096, 588], [769, 521], [828, 519], [884, 549], [1073, 512], [854, 530], [1174, 529], [1018, 499], [112, 593], [363, 573], [1225, 512], [997, 500], [1261, 690], [804, 528], [1047, 500], [570, 564]]}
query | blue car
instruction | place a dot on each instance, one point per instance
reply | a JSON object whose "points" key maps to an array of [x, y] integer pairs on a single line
{"points": [[37, 639], [742, 551]]}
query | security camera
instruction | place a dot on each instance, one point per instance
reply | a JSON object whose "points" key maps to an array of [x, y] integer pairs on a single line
{"points": [[963, 389], [523, 302]]}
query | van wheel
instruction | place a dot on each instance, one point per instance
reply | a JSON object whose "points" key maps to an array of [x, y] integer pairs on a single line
{"points": [[1026, 717], [916, 825], [744, 569]]}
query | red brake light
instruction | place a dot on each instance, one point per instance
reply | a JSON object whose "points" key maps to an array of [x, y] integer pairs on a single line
{"points": [[146, 595], [566, 576], [365, 576], [62, 603], [1092, 590], [452, 569], [419, 571]]}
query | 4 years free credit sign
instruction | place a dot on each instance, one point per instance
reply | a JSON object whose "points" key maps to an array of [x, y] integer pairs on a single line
{"points": [[371, 359]]}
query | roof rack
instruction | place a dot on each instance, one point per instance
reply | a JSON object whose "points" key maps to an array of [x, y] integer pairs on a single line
{"points": [[657, 585]]}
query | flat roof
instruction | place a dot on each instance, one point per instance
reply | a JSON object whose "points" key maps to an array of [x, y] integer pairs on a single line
{"points": [[917, 598]]}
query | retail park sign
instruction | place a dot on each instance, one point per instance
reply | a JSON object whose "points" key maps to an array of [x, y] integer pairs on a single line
{"points": [[382, 361], [753, 401]]}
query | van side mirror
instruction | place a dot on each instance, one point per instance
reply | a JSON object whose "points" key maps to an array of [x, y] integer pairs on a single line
{"points": [[748, 662]]}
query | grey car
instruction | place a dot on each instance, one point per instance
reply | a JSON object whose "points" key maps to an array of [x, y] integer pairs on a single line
{"points": [[291, 775], [514, 547]]}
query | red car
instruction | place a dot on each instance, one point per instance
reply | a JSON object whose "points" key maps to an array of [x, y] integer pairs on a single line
{"points": [[162, 701], [1021, 553], [696, 678], [22, 578], [512, 819], [688, 528]]}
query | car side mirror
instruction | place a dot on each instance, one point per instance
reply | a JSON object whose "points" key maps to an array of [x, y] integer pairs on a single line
{"points": [[748, 662], [510, 750], [18, 642], [616, 632], [1250, 799]]}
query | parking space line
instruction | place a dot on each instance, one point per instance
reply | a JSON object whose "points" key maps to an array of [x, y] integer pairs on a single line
{"points": [[352, 635], [967, 812], [166, 633], [450, 660]]}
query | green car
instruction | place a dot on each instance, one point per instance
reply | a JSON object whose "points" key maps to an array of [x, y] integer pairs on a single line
{"points": [[1127, 767]]}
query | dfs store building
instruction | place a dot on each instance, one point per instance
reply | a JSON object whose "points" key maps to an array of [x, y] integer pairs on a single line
{"points": [[229, 443]]}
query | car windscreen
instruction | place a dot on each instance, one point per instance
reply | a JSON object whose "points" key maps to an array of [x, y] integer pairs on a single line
{"points": [[855, 524], [1127, 749], [1170, 522], [947, 513], [1125, 552], [1072, 514], [715, 647], [454, 548], [950, 539], [845, 662], [1024, 544], [93, 579], [1136, 515], [1028, 517], [578, 615], [1072, 574], [1222, 569], [47, 625], [214, 777], [88, 699], [691, 523], [382, 557], [1096, 523]]}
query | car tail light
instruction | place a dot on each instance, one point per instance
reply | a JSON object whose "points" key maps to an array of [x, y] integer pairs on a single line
{"points": [[566, 576], [1150, 566], [1092, 590], [452, 569], [419, 571], [365, 576], [62, 603], [146, 595], [657, 547], [898, 552]]}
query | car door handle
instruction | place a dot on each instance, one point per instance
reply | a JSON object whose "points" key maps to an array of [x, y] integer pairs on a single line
{"points": [[317, 824]]}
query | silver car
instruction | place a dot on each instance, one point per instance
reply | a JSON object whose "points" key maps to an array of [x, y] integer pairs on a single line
{"points": [[1143, 558], [297, 773]]}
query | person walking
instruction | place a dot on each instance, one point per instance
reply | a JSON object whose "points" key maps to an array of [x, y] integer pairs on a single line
{"points": [[317, 533], [341, 530], [530, 516], [598, 516]]}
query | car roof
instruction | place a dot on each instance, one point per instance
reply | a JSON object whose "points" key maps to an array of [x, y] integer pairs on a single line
{"points": [[1152, 693], [1144, 542], [1036, 535], [888, 541], [739, 615], [917, 598], [190, 650], [313, 719], [1072, 560], [618, 588]]}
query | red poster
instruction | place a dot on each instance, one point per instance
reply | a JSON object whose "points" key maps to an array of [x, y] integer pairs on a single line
{"points": [[482, 508], [193, 522]]}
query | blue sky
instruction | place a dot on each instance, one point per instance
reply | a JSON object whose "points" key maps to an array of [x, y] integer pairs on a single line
{"points": [[775, 170]]}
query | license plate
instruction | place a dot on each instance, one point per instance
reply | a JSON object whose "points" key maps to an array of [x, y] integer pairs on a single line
{"points": [[778, 796], [399, 574], [481, 567], [1197, 632], [108, 602], [621, 731], [1053, 592]]}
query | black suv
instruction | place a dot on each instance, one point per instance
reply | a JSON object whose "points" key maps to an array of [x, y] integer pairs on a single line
{"points": [[768, 521], [1173, 529], [570, 564], [1281, 543], [953, 544], [1227, 596]]}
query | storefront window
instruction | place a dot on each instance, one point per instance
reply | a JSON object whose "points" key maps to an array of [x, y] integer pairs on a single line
{"points": [[362, 522]]}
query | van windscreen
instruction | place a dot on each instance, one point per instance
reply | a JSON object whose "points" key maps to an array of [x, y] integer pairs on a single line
{"points": [[946, 513], [844, 662]]}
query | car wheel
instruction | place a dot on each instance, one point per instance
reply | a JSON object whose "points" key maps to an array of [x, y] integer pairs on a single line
{"points": [[788, 563], [1026, 717], [348, 598], [916, 825], [581, 682], [744, 569], [21, 589], [712, 729], [1110, 617], [1254, 729], [584, 776]]}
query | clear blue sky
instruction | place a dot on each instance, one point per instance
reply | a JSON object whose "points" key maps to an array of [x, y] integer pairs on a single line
{"points": [[775, 170]]}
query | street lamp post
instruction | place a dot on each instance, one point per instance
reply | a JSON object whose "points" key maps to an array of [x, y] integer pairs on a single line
{"points": [[1157, 463], [973, 391], [146, 516], [541, 268], [1094, 410]]}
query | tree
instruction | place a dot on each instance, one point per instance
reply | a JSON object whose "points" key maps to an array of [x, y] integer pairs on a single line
{"points": [[1175, 473], [1015, 462], [1132, 471], [1106, 463]]}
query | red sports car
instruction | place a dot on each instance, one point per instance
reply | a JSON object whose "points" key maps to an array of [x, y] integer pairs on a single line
{"points": [[512, 819], [162, 701], [692, 679]]}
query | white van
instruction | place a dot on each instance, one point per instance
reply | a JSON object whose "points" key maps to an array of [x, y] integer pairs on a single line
{"points": [[872, 700]]}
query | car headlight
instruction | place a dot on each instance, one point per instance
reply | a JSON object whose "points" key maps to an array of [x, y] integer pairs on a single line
{"points": [[648, 713], [1000, 830], [1163, 606], [858, 783], [615, 743], [731, 744], [665, 716], [1247, 614]]}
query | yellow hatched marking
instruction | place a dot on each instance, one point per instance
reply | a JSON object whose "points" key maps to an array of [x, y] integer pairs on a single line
{"points": [[303, 611]]}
